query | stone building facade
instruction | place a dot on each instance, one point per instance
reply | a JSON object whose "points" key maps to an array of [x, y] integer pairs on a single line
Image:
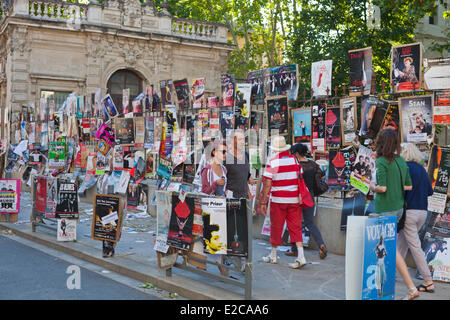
{"points": [[56, 46]]}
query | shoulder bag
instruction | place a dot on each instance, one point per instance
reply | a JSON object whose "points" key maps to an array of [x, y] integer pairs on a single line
{"points": [[319, 186]]}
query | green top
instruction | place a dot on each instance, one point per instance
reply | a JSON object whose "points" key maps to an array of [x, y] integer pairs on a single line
{"points": [[388, 176]]}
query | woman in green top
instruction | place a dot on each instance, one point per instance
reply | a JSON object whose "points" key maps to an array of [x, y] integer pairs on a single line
{"points": [[389, 190]]}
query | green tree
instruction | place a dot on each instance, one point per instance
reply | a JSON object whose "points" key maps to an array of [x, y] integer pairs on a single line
{"points": [[327, 29]]}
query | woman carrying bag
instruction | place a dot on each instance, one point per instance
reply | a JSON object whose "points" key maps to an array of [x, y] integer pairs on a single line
{"points": [[312, 175]]}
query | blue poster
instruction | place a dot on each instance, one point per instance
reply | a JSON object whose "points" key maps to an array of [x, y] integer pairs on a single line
{"points": [[380, 235]]}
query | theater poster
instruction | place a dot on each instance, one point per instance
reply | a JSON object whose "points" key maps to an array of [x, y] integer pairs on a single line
{"points": [[106, 218], [237, 227], [9, 195], [228, 90], [441, 108], [318, 118], [439, 170], [181, 222], [340, 167], [363, 169], [183, 93], [416, 116], [215, 225], [392, 117], [438, 255], [227, 118], [255, 78], [124, 130], [198, 93], [301, 126], [277, 115], [348, 120], [360, 71], [406, 67], [380, 235], [167, 92], [67, 230], [67, 203], [321, 78], [333, 128], [242, 109]]}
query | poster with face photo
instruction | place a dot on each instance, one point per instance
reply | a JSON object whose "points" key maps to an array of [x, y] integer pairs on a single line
{"points": [[237, 227], [167, 92], [52, 197], [183, 93], [228, 90], [227, 119], [214, 212], [106, 218], [333, 127], [349, 120], [243, 94], [321, 78], [198, 93], [9, 195], [124, 130], [340, 167], [318, 118], [67, 203], [181, 222], [360, 61], [277, 116], [132, 194], [416, 118], [255, 78], [301, 126], [363, 171], [392, 117], [110, 109], [372, 110], [406, 67]]}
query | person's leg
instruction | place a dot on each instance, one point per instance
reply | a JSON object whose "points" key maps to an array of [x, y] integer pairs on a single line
{"points": [[413, 223], [402, 245], [277, 218], [308, 219], [403, 270], [294, 224]]}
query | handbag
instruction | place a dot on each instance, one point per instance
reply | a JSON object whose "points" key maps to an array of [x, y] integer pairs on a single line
{"points": [[401, 222], [304, 196], [319, 186]]}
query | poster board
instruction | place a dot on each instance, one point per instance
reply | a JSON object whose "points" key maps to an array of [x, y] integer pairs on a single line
{"points": [[349, 120], [360, 61], [277, 115], [416, 118], [67, 200], [106, 218], [406, 67], [301, 126]]}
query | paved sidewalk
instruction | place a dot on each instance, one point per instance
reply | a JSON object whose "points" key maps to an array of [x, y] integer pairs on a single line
{"points": [[135, 258]]}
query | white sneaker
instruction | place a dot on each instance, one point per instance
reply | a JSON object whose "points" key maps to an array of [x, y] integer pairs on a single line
{"points": [[269, 259], [299, 263]]}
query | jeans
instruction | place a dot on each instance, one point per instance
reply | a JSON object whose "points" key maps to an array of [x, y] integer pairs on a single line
{"points": [[308, 220]]}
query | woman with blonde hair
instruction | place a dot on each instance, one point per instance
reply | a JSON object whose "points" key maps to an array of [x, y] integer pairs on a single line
{"points": [[416, 213]]}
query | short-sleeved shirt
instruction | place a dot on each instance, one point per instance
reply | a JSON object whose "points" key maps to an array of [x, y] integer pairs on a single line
{"points": [[389, 176], [238, 172], [283, 170]]}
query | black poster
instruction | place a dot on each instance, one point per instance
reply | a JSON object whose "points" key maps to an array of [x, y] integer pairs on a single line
{"points": [[132, 194], [406, 65], [340, 167], [189, 169], [167, 92], [440, 176], [392, 117], [183, 93], [124, 130], [237, 227], [106, 218], [377, 119], [368, 108], [67, 201], [352, 206], [360, 71], [181, 223], [333, 128], [277, 115]]}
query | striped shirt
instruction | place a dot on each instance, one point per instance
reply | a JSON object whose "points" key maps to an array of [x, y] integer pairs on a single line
{"points": [[283, 170]]}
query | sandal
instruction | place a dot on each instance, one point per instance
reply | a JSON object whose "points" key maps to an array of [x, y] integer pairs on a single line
{"points": [[323, 252], [425, 288], [269, 259], [291, 253], [412, 294]]}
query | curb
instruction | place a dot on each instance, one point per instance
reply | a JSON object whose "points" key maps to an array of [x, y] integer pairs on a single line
{"points": [[182, 286]]}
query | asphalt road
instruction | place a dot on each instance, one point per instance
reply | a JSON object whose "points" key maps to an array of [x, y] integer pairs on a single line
{"points": [[27, 273]]}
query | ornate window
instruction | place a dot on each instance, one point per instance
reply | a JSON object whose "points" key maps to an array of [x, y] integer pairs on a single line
{"points": [[124, 79]]}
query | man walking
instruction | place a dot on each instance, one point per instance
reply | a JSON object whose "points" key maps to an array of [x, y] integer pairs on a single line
{"points": [[281, 181]]}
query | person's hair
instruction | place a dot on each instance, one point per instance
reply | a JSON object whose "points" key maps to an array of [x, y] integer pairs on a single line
{"points": [[408, 58], [411, 153], [387, 144], [215, 145], [300, 148]]}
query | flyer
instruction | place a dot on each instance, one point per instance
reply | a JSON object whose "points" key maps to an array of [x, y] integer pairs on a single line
{"points": [[106, 218], [9, 195], [67, 200]]}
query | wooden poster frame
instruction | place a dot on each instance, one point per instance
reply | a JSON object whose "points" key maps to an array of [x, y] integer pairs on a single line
{"points": [[355, 118], [400, 112], [420, 66]]}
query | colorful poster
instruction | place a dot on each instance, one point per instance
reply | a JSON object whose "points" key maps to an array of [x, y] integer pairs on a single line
{"points": [[392, 117], [349, 120], [340, 167], [164, 168], [67, 230], [406, 67], [301, 126], [369, 107], [380, 235], [110, 108], [213, 102], [183, 94], [333, 133], [106, 134], [150, 170], [67, 200], [57, 154], [227, 119], [437, 202], [360, 71], [198, 93], [438, 256], [242, 111], [237, 227], [416, 117], [9, 195], [363, 170], [436, 73], [228, 90], [181, 222], [441, 107], [52, 198], [255, 78], [323, 160], [124, 130], [277, 116], [321, 78], [167, 92], [106, 218], [318, 127], [137, 105], [215, 225]]}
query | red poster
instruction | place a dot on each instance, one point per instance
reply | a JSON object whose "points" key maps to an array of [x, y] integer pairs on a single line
{"points": [[41, 195]]}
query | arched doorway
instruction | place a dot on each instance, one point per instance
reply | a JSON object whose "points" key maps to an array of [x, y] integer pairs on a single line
{"points": [[124, 79]]}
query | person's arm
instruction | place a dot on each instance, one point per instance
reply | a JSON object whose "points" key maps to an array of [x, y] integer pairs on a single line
{"points": [[206, 186], [267, 183], [408, 182], [381, 179]]}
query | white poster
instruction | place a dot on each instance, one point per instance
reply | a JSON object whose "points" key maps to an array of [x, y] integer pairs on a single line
{"points": [[321, 77], [216, 210], [67, 230]]}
